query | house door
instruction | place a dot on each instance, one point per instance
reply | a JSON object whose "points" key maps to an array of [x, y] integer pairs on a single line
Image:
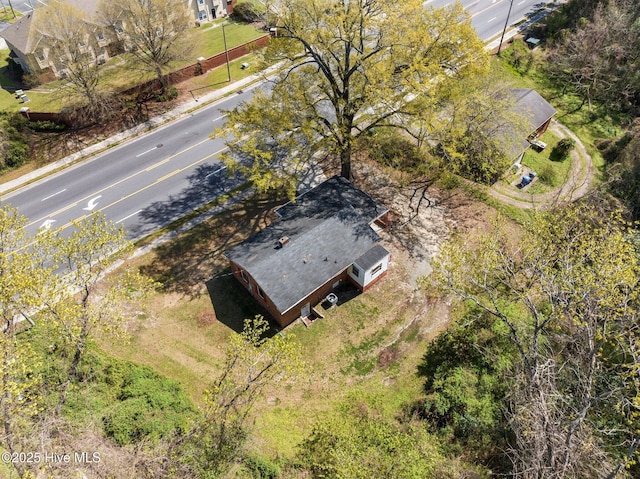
{"points": [[306, 310], [213, 12]]}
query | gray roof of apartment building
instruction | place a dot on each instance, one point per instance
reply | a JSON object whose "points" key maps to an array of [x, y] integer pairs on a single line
{"points": [[18, 33], [21, 33], [328, 228]]}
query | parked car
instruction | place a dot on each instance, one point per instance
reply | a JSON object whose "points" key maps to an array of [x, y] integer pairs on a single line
{"points": [[526, 179]]}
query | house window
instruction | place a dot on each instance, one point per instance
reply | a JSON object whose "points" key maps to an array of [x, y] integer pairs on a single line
{"points": [[202, 15], [355, 271], [40, 55], [100, 36], [118, 28], [376, 269], [201, 2], [260, 292], [244, 276]]}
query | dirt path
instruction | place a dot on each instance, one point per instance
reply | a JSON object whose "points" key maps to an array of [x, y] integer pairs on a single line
{"points": [[576, 185]]}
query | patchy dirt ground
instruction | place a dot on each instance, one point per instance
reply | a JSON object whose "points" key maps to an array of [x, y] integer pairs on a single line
{"points": [[369, 345]]}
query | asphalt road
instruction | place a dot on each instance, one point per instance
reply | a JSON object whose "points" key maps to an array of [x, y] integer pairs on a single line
{"points": [[144, 184], [152, 180], [22, 6], [488, 16]]}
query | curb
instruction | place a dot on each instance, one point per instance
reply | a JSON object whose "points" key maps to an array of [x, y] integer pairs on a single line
{"points": [[153, 123]]}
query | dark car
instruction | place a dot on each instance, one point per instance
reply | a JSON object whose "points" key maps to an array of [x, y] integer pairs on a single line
{"points": [[526, 179]]}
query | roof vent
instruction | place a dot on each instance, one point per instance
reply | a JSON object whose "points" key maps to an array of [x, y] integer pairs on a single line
{"points": [[282, 242]]}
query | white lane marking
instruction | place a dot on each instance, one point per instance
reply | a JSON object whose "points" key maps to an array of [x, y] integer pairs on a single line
{"points": [[217, 171], [93, 202], [251, 87], [145, 152], [489, 21], [51, 196], [127, 217], [47, 224], [219, 118]]}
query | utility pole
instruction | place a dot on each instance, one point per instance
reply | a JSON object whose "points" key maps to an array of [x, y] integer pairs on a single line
{"points": [[226, 53], [506, 24], [11, 7]]}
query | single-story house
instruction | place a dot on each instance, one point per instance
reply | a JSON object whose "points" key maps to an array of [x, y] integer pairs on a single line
{"points": [[536, 113], [326, 236]]}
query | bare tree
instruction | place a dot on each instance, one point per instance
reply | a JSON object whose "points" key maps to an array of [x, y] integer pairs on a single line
{"points": [[599, 60], [153, 31], [253, 362], [567, 292], [73, 50]]}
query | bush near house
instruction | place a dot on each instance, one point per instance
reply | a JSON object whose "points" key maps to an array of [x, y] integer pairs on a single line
{"points": [[14, 149], [248, 12], [562, 149]]}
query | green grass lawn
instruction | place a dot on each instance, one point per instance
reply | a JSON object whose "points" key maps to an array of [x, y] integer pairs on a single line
{"points": [[184, 336], [210, 41], [589, 123], [551, 174], [120, 72], [8, 100], [6, 15]]}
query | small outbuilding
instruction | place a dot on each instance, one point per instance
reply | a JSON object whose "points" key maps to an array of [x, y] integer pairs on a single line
{"points": [[536, 113]]}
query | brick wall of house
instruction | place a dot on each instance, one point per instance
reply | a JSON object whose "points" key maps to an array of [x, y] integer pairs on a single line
{"points": [[294, 313]]}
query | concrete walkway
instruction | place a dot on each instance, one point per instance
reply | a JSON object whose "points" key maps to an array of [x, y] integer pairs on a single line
{"points": [[172, 115]]}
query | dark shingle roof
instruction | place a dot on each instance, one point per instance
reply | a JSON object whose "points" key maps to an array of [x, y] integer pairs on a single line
{"points": [[331, 196], [372, 257], [328, 228], [535, 108]]}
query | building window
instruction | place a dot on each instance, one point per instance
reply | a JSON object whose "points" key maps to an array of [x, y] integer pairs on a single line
{"points": [[244, 276], [118, 29], [201, 2], [100, 36], [355, 271], [202, 15], [376, 269], [40, 55]]}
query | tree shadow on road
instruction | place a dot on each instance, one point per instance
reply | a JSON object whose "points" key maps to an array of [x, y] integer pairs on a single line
{"points": [[207, 183], [184, 264]]}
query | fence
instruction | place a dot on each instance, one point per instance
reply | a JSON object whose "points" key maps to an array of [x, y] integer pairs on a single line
{"points": [[73, 118]]}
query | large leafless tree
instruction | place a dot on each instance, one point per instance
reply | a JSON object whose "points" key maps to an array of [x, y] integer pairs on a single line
{"points": [[153, 31]]}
